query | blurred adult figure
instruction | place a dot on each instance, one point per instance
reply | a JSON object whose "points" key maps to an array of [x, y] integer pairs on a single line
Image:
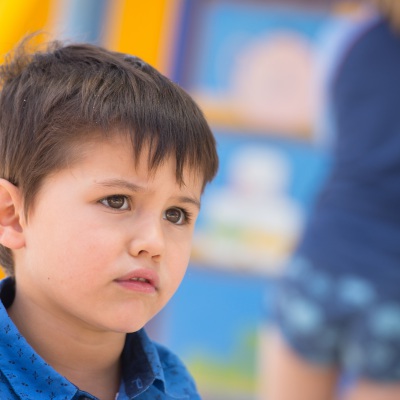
{"points": [[337, 309]]}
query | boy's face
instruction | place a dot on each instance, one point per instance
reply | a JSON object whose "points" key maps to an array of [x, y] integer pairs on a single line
{"points": [[107, 244]]}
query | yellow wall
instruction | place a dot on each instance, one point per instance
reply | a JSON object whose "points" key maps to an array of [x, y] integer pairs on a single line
{"points": [[144, 29], [19, 18]]}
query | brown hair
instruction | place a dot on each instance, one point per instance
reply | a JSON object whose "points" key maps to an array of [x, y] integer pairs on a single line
{"points": [[54, 99]]}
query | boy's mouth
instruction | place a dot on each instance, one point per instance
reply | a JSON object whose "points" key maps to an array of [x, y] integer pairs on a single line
{"points": [[139, 280], [143, 280]]}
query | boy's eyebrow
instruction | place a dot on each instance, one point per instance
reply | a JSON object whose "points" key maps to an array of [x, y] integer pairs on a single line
{"points": [[121, 183], [189, 200]]}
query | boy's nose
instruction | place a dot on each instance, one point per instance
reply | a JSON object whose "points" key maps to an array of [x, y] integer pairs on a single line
{"points": [[147, 238]]}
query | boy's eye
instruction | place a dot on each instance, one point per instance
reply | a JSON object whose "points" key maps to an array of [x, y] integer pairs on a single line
{"points": [[176, 215], [117, 202]]}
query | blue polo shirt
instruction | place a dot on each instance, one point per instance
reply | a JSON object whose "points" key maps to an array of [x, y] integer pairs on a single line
{"points": [[150, 371]]}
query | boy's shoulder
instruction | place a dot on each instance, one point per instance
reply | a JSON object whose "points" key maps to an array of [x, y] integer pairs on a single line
{"points": [[23, 373]]}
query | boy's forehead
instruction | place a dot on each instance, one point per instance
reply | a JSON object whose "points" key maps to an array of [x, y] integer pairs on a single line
{"points": [[140, 161]]}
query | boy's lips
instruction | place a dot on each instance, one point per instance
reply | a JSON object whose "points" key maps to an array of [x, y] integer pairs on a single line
{"points": [[143, 280]]}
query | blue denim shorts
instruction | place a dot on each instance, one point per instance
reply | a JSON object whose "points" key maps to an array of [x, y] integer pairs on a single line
{"points": [[341, 320]]}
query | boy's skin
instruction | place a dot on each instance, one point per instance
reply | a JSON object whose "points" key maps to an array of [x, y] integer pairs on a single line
{"points": [[74, 231]]}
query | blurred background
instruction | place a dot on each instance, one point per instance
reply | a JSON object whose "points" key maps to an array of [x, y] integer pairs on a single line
{"points": [[258, 69]]}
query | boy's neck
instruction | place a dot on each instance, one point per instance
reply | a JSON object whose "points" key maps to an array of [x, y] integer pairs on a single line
{"points": [[90, 360]]}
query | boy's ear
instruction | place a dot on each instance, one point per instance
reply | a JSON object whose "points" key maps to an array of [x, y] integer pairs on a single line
{"points": [[11, 234]]}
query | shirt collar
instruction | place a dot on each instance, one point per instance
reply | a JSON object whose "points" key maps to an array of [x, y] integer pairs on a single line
{"points": [[148, 368], [141, 365]]}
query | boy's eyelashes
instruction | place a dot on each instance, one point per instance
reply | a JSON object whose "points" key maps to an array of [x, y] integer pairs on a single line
{"points": [[175, 215], [116, 202]]}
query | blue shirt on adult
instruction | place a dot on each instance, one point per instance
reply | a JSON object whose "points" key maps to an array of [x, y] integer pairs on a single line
{"points": [[150, 371], [355, 225]]}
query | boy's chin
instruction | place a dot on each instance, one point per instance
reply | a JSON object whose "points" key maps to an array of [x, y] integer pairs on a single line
{"points": [[128, 327], [128, 318]]}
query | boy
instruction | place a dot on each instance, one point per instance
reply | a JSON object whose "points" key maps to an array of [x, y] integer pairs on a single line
{"points": [[103, 163]]}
